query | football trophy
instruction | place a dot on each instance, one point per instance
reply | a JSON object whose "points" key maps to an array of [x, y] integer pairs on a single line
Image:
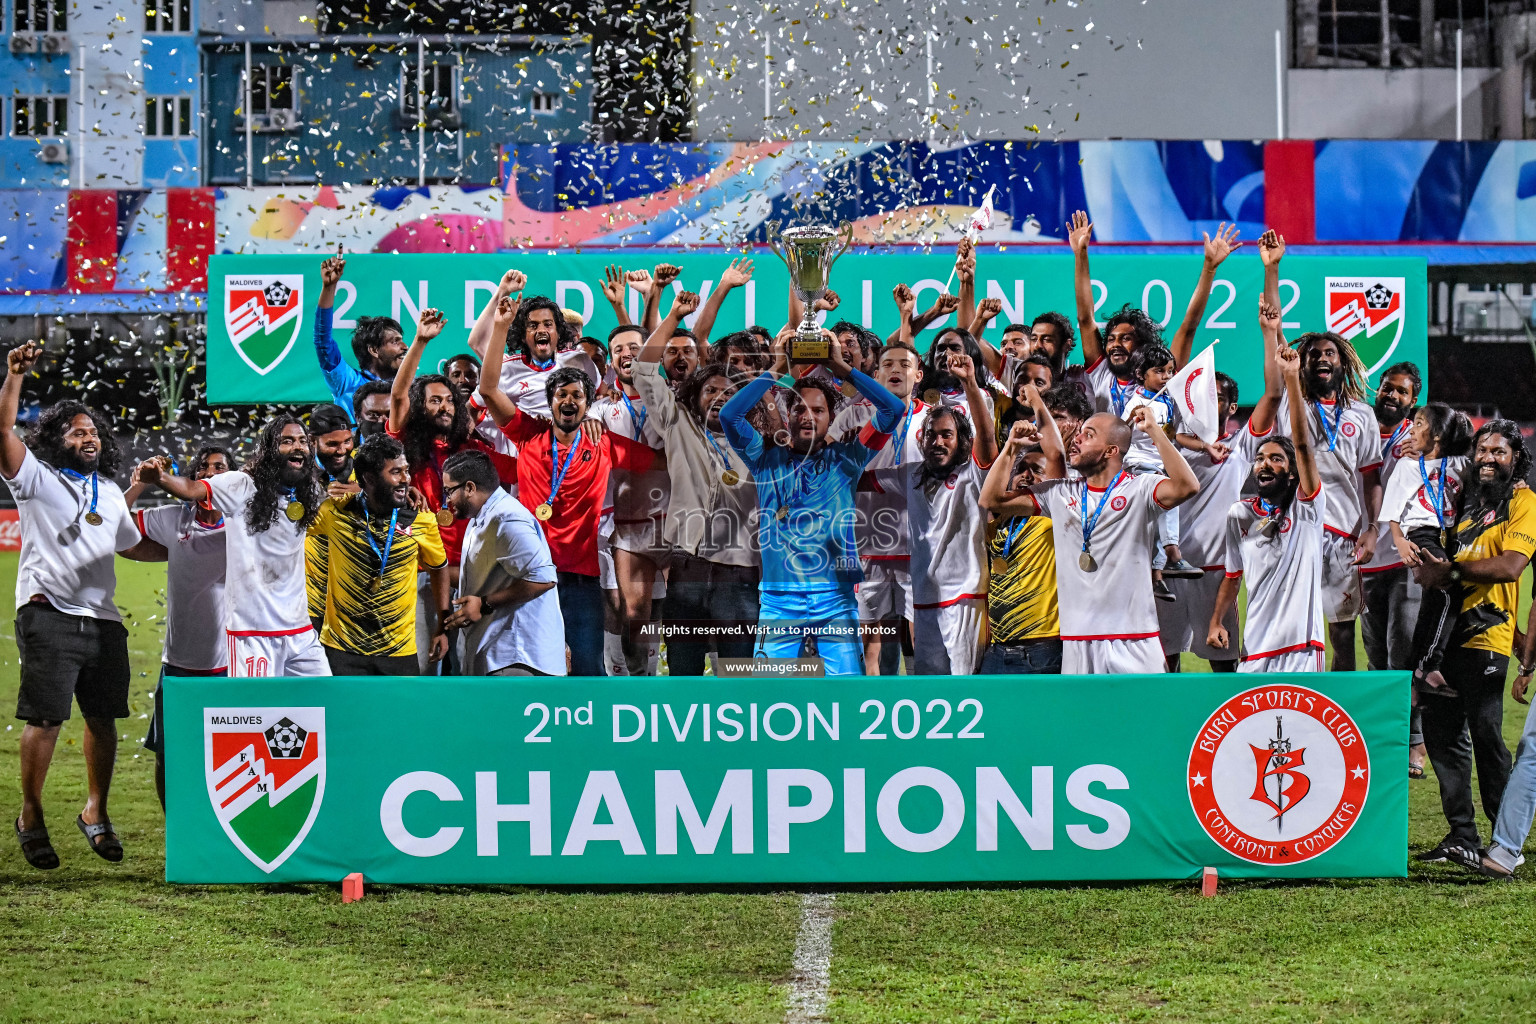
{"points": [[809, 252]]}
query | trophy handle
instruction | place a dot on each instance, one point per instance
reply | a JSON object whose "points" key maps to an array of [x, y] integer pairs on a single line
{"points": [[845, 242], [771, 234]]}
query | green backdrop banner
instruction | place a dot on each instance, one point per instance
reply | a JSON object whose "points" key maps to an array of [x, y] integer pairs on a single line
{"points": [[914, 779], [261, 318]]}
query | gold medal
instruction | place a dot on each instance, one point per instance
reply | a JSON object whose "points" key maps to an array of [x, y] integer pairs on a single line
{"points": [[932, 396], [849, 390], [94, 518], [444, 517], [730, 478], [295, 510], [545, 512], [1000, 566], [374, 584], [1086, 563], [783, 513]]}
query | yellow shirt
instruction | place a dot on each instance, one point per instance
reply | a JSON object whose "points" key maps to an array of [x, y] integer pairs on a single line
{"points": [[367, 612], [1483, 539], [315, 557], [1021, 600]]}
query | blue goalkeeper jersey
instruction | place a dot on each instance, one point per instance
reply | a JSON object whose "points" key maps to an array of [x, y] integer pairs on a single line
{"points": [[807, 521]]}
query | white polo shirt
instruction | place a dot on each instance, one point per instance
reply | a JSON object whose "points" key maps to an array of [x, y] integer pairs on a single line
{"points": [[504, 544]]}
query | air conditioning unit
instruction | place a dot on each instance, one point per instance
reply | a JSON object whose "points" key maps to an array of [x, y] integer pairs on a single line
{"points": [[24, 42], [53, 152], [55, 44], [283, 120]]}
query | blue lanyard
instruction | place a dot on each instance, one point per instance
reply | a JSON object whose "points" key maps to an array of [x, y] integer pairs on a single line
{"points": [[710, 437], [906, 425], [1436, 498], [541, 367], [1090, 521], [1332, 433], [81, 476], [554, 457], [1014, 533], [1265, 508], [1397, 432], [636, 420], [1118, 393], [389, 541]]}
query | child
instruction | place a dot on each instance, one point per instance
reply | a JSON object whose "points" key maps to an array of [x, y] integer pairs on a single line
{"points": [[1154, 367], [1419, 507]]}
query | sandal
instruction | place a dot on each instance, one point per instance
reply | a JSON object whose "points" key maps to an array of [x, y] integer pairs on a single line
{"points": [[36, 847], [1415, 771], [103, 840]]}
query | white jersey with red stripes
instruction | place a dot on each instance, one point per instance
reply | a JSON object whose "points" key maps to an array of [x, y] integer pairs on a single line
{"points": [[1203, 518], [948, 531], [633, 497], [1393, 444], [882, 528], [1114, 601], [264, 569], [1284, 570], [1356, 448], [524, 382]]}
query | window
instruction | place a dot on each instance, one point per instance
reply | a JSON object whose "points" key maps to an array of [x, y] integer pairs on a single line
{"points": [[441, 89], [42, 15], [272, 88], [168, 117], [39, 116], [546, 102], [167, 16]]}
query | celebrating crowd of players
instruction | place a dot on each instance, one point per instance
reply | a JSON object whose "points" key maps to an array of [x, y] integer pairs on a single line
{"points": [[552, 503]]}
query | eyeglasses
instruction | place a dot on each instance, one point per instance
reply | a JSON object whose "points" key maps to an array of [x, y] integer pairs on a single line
{"points": [[456, 487]]}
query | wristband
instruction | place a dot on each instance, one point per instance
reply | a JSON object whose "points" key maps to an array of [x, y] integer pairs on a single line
{"points": [[1526, 670]]}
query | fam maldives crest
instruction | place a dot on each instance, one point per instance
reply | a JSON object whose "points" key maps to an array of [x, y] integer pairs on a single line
{"points": [[1279, 774], [1367, 312], [266, 777], [263, 313]]}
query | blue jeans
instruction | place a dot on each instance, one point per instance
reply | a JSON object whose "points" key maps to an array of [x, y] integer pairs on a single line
{"points": [[1518, 807], [1026, 658], [831, 616], [581, 605]]}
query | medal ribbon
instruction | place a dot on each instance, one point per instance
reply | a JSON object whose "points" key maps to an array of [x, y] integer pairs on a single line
{"points": [[1437, 499], [558, 478], [81, 477], [1014, 533], [389, 541], [1397, 432], [710, 437], [795, 480], [1118, 394], [1090, 521], [1332, 433], [906, 425], [637, 420]]}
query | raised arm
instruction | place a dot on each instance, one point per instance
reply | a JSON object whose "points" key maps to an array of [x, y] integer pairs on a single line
{"points": [[965, 270], [734, 276], [326, 349], [1301, 435], [154, 473], [985, 441], [429, 326], [1182, 483], [683, 304], [614, 286], [986, 311], [905, 302], [659, 278], [18, 363], [734, 413], [1051, 444], [995, 496], [1078, 234], [497, 402], [1273, 340], [1216, 250], [512, 284]]}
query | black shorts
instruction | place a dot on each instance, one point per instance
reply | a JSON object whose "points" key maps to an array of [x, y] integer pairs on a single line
{"points": [[345, 663], [65, 657], [154, 739]]}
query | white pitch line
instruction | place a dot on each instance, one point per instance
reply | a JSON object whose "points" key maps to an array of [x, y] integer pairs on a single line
{"points": [[813, 961]]}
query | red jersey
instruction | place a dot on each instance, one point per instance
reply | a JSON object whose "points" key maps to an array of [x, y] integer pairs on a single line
{"points": [[427, 477], [572, 531]]}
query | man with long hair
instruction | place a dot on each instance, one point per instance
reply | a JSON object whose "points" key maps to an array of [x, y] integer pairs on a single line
{"points": [[1343, 432], [268, 508], [1494, 538], [193, 537], [433, 420], [710, 525], [69, 632], [940, 384], [375, 544], [536, 338], [1275, 539], [330, 433], [377, 341], [806, 514]]}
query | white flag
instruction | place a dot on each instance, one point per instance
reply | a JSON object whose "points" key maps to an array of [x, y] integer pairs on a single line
{"points": [[1193, 390], [981, 220]]}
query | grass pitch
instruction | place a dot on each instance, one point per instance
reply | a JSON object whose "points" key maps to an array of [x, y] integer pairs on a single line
{"points": [[95, 942]]}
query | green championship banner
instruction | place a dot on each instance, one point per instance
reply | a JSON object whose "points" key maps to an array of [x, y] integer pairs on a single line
{"points": [[910, 779], [261, 308]]}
